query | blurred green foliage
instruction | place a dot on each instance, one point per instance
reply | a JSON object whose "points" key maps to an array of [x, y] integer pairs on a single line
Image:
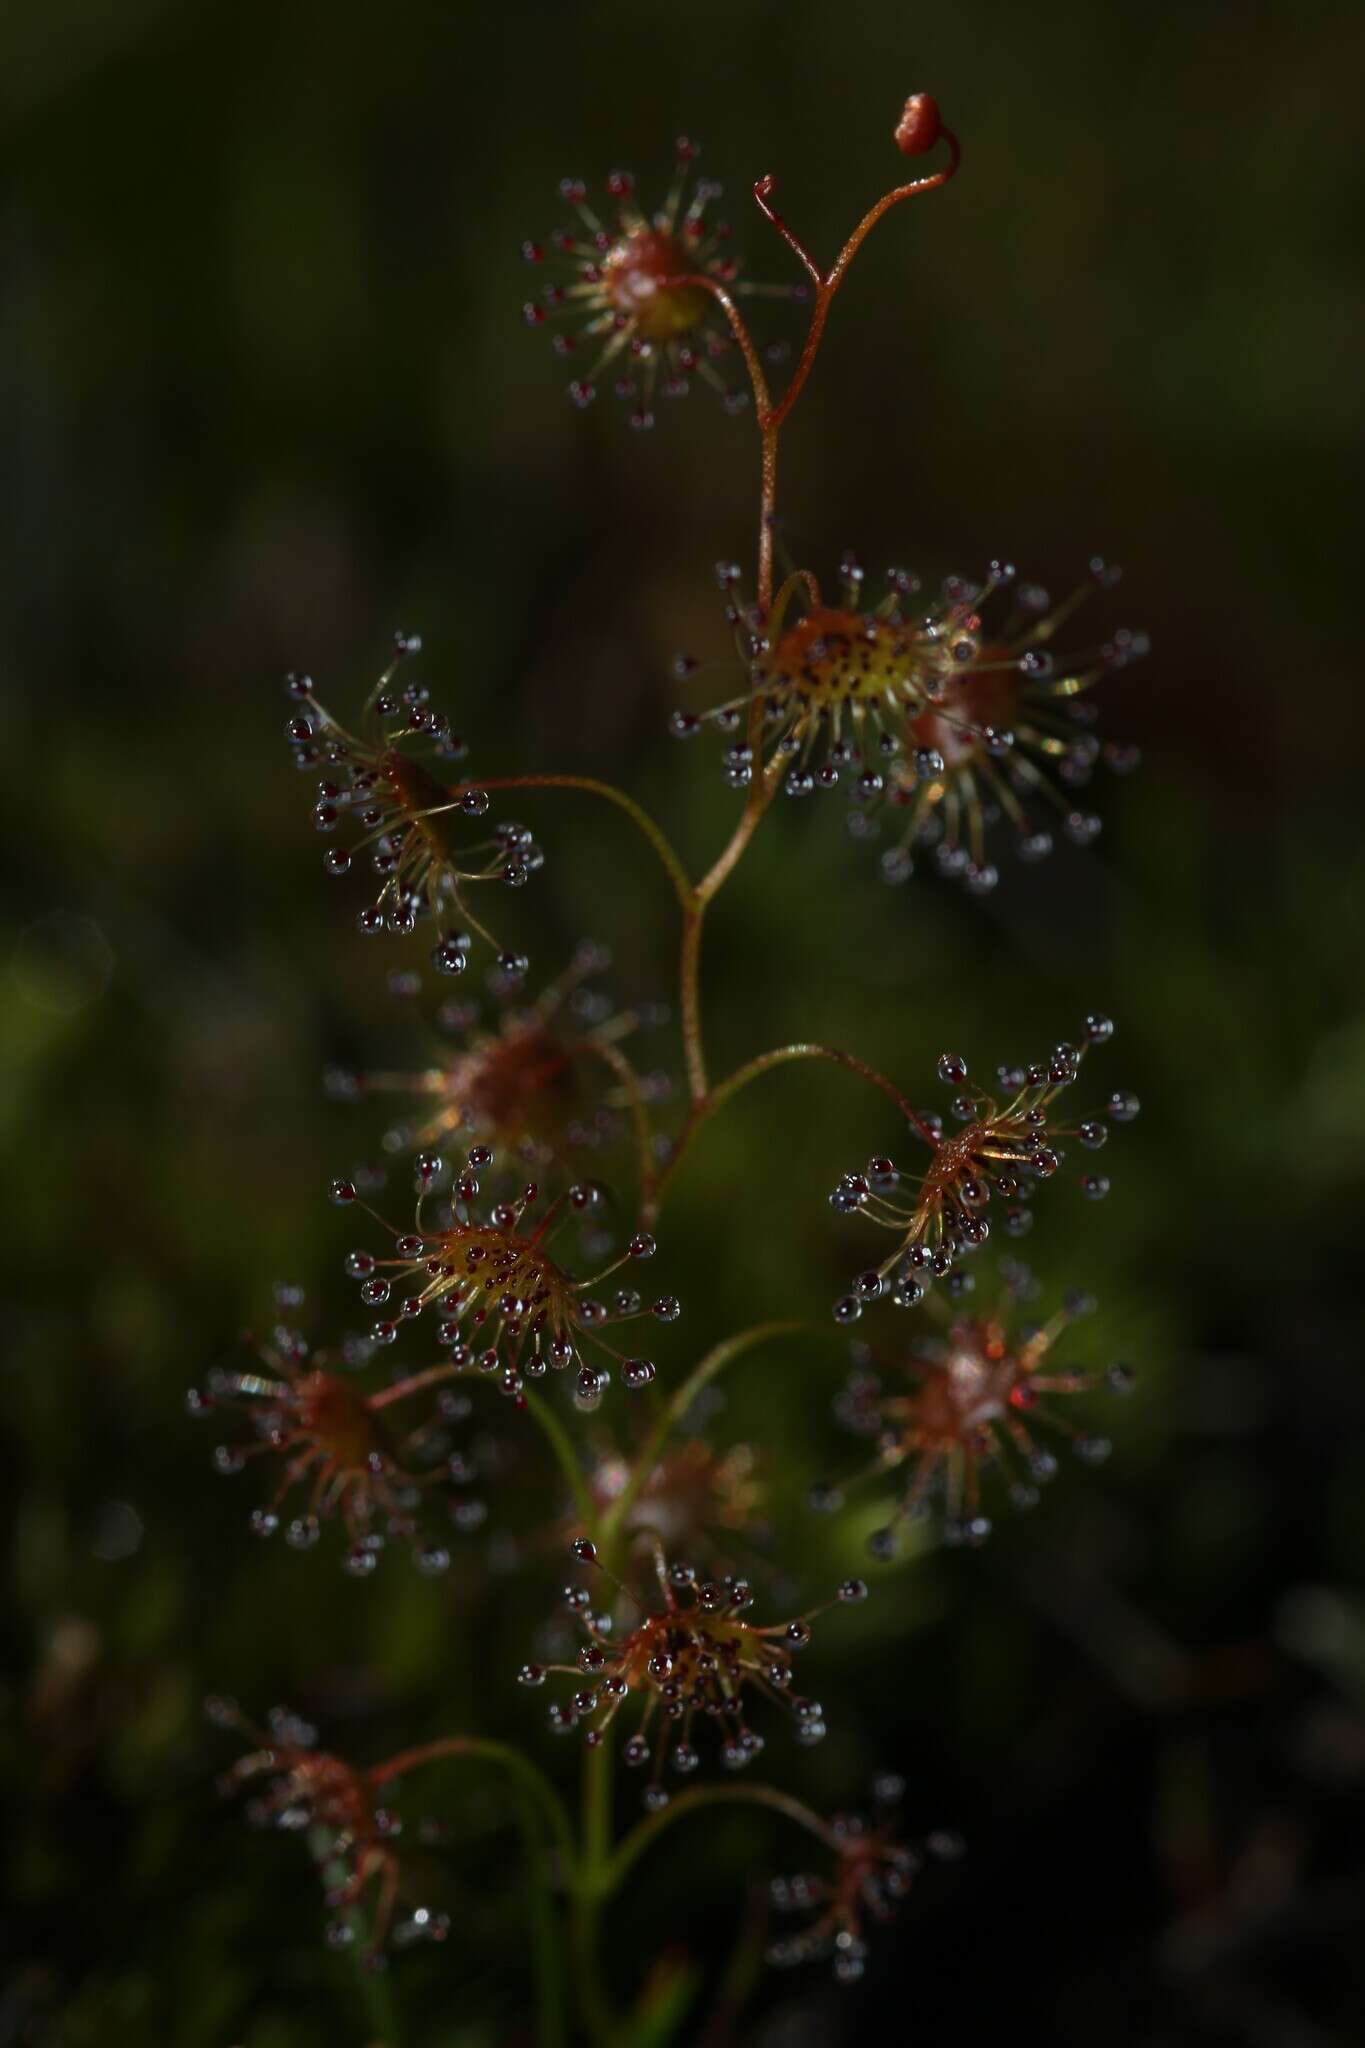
{"points": [[265, 396]]}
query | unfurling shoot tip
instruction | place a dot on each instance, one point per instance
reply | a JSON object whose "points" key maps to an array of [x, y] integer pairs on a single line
{"points": [[919, 126]]}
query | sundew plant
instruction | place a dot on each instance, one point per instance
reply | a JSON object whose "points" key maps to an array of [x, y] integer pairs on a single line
{"points": [[507, 1256]]}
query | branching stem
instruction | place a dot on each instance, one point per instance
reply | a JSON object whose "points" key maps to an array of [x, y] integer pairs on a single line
{"points": [[772, 417], [827, 282], [593, 1872]]}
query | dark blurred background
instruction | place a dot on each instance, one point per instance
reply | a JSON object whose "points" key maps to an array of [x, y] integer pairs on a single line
{"points": [[266, 396]]}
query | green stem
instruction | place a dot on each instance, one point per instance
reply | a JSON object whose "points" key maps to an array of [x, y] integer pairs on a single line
{"points": [[540, 1811], [701, 1376], [704, 1109], [566, 1457], [646, 1831], [597, 1804], [782, 1055], [638, 815], [551, 1989], [377, 1990], [593, 2002], [524, 1773], [692, 899], [742, 1972], [591, 1890], [375, 1986], [613, 1058]]}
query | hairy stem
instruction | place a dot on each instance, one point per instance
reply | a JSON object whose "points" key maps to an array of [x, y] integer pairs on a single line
{"points": [[433, 1376], [767, 498], [689, 997], [762, 790], [874, 213], [761, 794], [828, 283], [769, 428]]}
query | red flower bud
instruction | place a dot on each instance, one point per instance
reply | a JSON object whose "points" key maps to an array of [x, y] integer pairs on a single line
{"points": [[918, 128]]}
